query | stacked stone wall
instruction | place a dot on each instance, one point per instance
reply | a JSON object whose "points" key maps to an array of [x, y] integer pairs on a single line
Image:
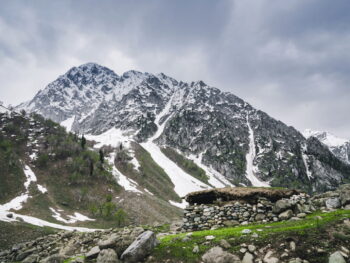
{"points": [[201, 217]]}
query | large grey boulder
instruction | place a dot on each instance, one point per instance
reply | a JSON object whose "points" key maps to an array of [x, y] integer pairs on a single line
{"points": [[140, 248], [218, 255], [107, 256], [282, 205], [333, 203], [93, 253], [336, 257], [110, 242], [285, 215]]}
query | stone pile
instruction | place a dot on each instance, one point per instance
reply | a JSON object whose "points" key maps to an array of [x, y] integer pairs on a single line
{"points": [[110, 246], [339, 198], [209, 216]]}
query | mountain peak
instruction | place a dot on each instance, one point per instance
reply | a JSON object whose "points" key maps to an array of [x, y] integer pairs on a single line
{"points": [[325, 137]]}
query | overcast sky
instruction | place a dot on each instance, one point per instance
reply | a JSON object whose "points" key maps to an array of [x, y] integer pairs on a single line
{"points": [[290, 59]]}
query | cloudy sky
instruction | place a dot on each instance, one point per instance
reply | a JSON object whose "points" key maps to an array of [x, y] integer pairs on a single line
{"points": [[288, 58]]}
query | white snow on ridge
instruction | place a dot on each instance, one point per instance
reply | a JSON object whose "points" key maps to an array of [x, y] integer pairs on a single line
{"points": [[112, 137], [39, 222], [325, 137], [184, 183], [16, 203], [250, 159], [72, 218], [305, 160], [68, 123], [42, 189], [180, 205], [215, 178], [127, 183]]}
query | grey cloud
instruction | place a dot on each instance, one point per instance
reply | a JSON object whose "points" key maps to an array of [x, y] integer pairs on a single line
{"points": [[288, 58]]}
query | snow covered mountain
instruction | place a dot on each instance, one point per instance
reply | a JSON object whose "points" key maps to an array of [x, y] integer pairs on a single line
{"points": [[338, 146], [182, 125]]}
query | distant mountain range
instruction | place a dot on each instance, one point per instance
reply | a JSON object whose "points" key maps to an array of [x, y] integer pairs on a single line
{"points": [[338, 146], [199, 135]]}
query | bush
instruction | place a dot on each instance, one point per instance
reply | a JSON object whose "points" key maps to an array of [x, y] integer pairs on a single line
{"points": [[42, 160]]}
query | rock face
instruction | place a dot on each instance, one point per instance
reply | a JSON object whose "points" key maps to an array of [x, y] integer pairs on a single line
{"points": [[218, 255], [140, 248], [226, 133]]}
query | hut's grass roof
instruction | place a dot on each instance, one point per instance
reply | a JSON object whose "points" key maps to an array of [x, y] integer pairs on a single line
{"points": [[238, 193]]}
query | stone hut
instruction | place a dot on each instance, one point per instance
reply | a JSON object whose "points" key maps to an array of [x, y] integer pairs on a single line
{"points": [[241, 205]]}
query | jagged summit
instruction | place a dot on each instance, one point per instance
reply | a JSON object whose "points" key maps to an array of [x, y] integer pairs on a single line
{"points": [[231, 138], [339, 147]]}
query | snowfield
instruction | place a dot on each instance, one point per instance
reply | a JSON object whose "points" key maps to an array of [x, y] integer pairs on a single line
{"points": [[250, 160], [184, 183], [16, 204]]}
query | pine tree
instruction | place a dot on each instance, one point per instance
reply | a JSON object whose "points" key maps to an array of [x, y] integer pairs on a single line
{"points": [[83, 142], [101, 156]]}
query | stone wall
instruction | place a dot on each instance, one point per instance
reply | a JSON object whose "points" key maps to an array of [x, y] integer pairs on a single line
{"points": [[200, 217]]}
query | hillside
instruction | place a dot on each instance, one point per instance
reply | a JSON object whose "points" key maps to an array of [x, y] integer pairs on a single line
{"points": [[224, 136], [51, 178]]}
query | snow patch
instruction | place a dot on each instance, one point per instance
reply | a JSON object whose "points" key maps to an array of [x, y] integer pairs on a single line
{"points": [[112, 137], [72, 218], [181, 205], [127, 183], [184, 183], [325, 137], [68, 123], [250, 160], [215, 178], [42, 189]]}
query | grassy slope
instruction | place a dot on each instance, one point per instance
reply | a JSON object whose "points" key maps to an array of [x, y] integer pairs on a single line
{"points": [[150, 175], [308, 233], [185, 164], [13, 233]]}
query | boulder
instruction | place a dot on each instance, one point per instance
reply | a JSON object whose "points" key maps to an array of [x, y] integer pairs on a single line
{"points": [[107, 256], [93, 253], [224, 244], [269, 258], [110, 242], [336, 257], [56, 258], [281, 205], [140, 248], [218, 255], [285, 215], [248, 258], [70, 248], [333, 203]]}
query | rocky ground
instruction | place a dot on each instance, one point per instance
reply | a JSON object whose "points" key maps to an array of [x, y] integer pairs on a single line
{"points": [[319, 237]]}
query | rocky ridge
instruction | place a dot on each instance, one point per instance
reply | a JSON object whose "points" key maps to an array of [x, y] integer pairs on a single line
{"points": [[216, 129]]}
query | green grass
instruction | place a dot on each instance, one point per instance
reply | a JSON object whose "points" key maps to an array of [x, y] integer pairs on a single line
{"points": [[73, 259], [173, 247], [150, 175]]}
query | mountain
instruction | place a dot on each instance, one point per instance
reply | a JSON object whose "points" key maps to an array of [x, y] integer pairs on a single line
{"points": [[338, 146], [198, 135]]}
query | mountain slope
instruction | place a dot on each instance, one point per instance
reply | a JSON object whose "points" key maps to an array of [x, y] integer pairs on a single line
{"points": [[49, 179], [225, 136], [338, 146]]}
